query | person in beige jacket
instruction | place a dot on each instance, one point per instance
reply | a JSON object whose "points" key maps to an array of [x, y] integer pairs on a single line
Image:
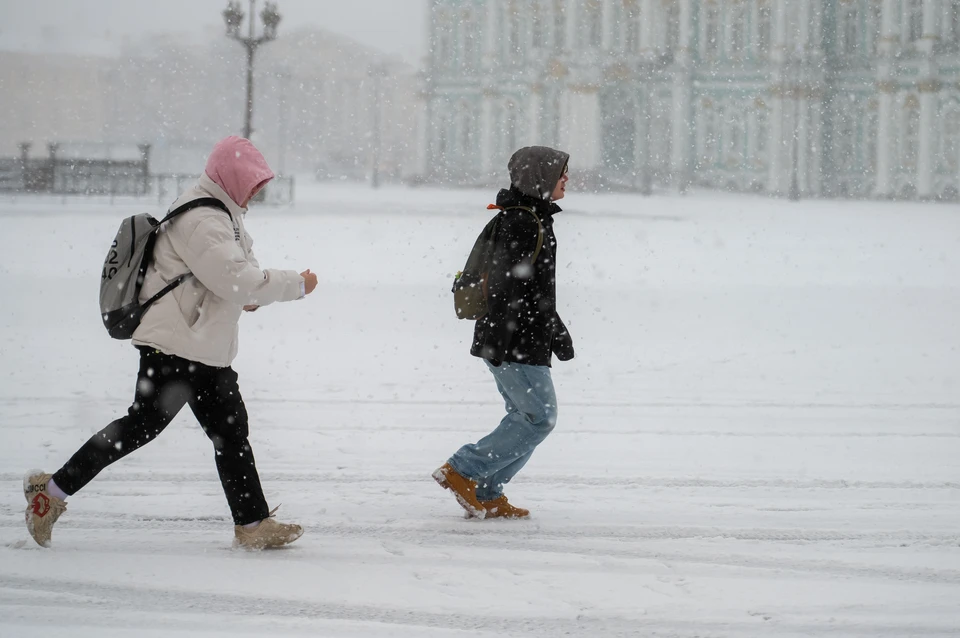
{"points": [[187, 342]]}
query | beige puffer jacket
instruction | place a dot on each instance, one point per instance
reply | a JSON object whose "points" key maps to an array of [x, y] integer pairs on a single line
{"points": [[199, 319]]}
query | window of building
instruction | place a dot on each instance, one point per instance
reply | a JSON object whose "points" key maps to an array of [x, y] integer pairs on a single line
{"points": [[511, 125], [737, 20], [871, 123], [619, 131], [844, 136], [468, 41], [950, 140], [464, 133], [671, 13], [951, 26], [537, 24], [913, 19], [559, 24], [761, 132], [514, 33], [443, 39], [631, 26], [707, 141], [764, 27], [874, 25], [848, 28], [593, 22], [711, 30], [734, 136]]}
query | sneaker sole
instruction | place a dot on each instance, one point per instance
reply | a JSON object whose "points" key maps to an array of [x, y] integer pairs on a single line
{"points": [[257, 548], [442, 481]]}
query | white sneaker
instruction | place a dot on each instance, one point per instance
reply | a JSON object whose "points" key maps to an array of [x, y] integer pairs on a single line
{"points": [[269, 533], [43, 510]]}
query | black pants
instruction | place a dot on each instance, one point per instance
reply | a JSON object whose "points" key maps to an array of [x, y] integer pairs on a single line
{"points": [[164, 384]]}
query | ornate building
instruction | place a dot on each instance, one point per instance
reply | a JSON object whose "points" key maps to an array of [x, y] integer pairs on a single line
{"points": [[800, 97]]}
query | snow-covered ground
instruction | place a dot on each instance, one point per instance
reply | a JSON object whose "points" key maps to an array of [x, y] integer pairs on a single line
{"points": [[760, 435]]}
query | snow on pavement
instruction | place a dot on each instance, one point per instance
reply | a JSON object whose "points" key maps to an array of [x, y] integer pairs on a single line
{"points": [[760, 435]]}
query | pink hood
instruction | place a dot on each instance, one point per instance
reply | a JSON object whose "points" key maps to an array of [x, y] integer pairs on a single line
{"points": [[238, 168]]}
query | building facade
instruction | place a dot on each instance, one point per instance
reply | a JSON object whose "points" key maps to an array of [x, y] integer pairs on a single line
{"points": [[840, 98], [324, 105]]}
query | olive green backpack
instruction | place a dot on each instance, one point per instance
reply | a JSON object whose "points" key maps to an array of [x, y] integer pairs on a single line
{"points": [[470, 284]]}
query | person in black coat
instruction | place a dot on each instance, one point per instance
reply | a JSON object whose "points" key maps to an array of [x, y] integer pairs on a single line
{"points": [[518, 335]]}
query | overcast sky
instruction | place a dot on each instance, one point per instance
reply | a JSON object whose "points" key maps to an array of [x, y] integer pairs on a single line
{"points": [[100, 26]]}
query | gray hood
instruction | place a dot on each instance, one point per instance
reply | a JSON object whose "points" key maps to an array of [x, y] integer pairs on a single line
{"points": [[535, 170]]}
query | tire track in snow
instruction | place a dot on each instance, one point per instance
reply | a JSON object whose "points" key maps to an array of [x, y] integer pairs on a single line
{"points": [[306, 476], [187, 603], [253, 398], [615, 542]]}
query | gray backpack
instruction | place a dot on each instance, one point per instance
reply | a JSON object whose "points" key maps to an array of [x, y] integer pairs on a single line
{"points": [[126, 266]]}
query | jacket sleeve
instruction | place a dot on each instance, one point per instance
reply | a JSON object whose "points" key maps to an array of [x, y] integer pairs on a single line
{"points": [[562, 344], [252, 258], [510, 276], [219, 263]]}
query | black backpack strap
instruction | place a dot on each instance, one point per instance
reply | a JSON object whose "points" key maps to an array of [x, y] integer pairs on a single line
{"points": [[211, 202], [536, 252], [170, 286]]}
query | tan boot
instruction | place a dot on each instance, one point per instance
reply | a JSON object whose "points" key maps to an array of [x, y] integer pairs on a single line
{"points": [[43, 510], [500, 508], [269, 533], [464, 489]]}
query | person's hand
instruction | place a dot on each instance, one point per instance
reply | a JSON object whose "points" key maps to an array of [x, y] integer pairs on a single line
{"points": [[251, 308], [562, 346], [309, 281]]}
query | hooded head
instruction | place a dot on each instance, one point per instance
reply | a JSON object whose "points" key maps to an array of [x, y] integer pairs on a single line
{"points": [[535, 170], [238, 168]]}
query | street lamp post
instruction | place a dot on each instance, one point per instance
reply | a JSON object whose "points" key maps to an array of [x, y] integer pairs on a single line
{"points": [[378, 72], [796, 93], [233, 17]]}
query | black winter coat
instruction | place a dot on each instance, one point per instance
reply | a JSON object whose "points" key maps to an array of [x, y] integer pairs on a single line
{"points": [[522, 324]]}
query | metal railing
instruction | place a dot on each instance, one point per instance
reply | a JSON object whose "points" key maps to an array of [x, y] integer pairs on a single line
{"points": [[112, 179]]}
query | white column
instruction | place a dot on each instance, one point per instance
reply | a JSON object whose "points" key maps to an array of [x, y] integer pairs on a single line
{"points": [[535, 117], [781, 118], [885, 114], [889, 27], [888, 46], [817, 8], [778, 131], [425, 131], [572, 41], [580, 126], [802, 132], [931, 11], [640, 139], [647, 27], [929, 97], [927, 151], [641, 146], [491, 34], [608, 25], [804, 26], [815, 174], [682, 120], [486, 133], [685, 54]]}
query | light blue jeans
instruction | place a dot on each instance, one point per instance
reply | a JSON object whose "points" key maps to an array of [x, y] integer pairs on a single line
{"points": [[531, 403]]}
